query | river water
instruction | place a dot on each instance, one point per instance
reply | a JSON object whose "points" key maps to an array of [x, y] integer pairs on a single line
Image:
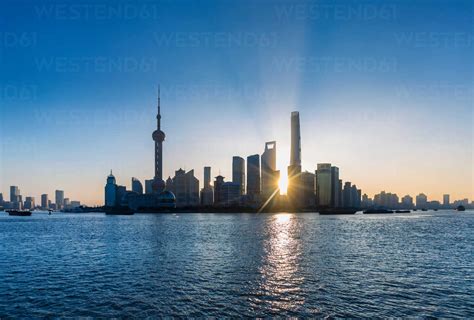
{"points": [[398, 265]]}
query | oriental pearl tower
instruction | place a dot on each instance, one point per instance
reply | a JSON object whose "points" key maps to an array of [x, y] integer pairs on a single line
{"points": [[158, 184]]}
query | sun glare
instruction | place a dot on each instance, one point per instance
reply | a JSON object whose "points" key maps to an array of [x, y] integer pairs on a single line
{"points": [[283, 182]]}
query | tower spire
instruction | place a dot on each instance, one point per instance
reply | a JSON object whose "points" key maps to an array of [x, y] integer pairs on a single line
{"points": [[158, 116]]}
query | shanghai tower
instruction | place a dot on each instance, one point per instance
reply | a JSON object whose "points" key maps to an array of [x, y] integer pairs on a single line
{"points": [[294, 169], [158, 136]]}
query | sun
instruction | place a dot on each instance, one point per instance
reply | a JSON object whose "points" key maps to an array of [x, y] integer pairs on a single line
{"points": [[283, 183]]}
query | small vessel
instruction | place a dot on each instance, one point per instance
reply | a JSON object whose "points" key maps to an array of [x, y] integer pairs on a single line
{"points": [[370, 211], [424, 209], [402, 211], [119, 211], [329, 211], [19, 213], [461, 208]]}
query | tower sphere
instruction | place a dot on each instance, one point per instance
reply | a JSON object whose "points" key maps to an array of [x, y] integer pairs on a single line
{"points": [[158, 135]]}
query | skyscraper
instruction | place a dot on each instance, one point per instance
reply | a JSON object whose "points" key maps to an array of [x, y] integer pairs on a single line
{"points": [[14, 193], [335, 187], [207, 177], [238, 172], [253, 177], [323, 187], [446, 200], [60, 199], [29, 203], [347, 195], [308, 190], [207, 194], [158, 136], [295, 152], [44, 202], [149, 186], [294, 169], [218, 189], [137, 186], [270, 175], [110, 191], [356, 197]]}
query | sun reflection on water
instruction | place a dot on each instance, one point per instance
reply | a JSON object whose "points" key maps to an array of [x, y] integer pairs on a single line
{"points": [[280, 286]]}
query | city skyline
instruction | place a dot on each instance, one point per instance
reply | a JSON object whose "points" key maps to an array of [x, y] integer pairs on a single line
{"points": [[371, 102], [268, 174]]}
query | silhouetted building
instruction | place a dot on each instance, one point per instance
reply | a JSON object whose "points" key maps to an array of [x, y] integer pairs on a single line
{"points": [[446, 200], [29, 203], [270, 175], [308, 183], [75, 204], [366, 201], [110, 191], [137, 186], [207, 193], [323, 185], [335, 190], [238, 172], [339, 186], [347, 195], [218, 190], [355, 197], [59, 199], [253, 177], [44, 202], [421, 201], [14, 192], [294, 169], [149, 186], [230, 194], [407, 202], [185, 187], [121, 199]]}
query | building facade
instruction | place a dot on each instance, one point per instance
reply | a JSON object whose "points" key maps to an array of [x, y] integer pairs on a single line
{"points": [[253, 177], [323, 187], [238, 172], [269, 174]]}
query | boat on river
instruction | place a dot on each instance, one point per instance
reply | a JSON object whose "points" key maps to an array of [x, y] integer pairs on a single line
{"points": [[373, 211], [329, 211], [19, 213]]}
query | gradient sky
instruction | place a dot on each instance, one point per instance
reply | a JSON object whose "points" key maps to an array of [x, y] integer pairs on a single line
{"points": [[384, 90]]}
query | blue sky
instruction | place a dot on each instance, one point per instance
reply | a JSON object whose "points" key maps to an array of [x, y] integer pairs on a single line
{"points": [[384, 89]]}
